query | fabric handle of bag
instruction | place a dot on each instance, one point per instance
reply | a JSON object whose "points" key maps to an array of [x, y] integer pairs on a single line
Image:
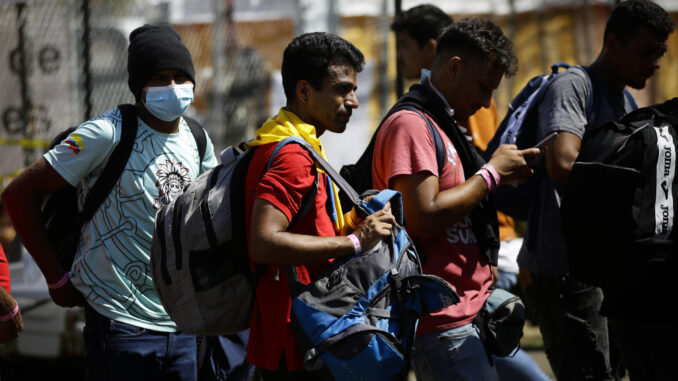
{"points": [[199, 136], [363, 208], [115, 165], [378, 201], [308, 199], [593, 103], [325, 166], [441, 155], [357, 329]]}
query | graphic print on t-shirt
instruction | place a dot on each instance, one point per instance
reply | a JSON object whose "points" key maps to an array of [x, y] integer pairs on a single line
{"points": [[74, 142], [461, 233], [112, 268], [172, 178], [666, 170], [452, 155]]}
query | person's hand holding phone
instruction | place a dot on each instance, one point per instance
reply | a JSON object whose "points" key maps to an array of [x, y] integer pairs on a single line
{"points": [[512, 164], [542, 143]]}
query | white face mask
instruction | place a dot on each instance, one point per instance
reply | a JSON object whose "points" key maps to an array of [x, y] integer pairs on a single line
{"points": [[169, 102]]}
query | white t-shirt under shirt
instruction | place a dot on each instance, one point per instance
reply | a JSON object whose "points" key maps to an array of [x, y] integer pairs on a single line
{"points": [[404, 146], [112, 264]]}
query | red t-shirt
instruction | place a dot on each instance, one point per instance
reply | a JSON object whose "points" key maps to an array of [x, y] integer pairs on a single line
{"points": [[404, 146], [285, 183], [4, 272]]}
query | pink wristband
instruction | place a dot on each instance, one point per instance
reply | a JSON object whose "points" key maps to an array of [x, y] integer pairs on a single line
{"points": [[357, 247], [487, 177], [60, 282], [11, 314], [493, 172]]}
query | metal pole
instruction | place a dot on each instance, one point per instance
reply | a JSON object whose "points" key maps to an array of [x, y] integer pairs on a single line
{"points": [[588, 31], [86, 43], [26, 103], [512, 30], [332, 17], [384, 81], [400, 81]]}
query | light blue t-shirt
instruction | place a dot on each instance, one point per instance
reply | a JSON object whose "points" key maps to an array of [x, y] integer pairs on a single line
{"points": [[112, 264]]}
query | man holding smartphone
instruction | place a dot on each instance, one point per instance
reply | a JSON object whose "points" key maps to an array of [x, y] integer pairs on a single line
{"points": [[567, 311], [447, 209]]}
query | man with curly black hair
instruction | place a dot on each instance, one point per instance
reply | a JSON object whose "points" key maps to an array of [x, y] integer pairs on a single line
{"points": [[567, 310], [319, 73], [446, 204]]}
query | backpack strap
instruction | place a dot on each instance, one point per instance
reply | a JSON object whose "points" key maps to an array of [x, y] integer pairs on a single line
{"points": [[441, 155], [308, 200], [199, 136], [630, 99], [115, 165], [593, 103]]}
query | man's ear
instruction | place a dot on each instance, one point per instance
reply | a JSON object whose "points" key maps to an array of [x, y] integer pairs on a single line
{"points": [[455, 65], [613, 43], [430, 47], [303, 91]]}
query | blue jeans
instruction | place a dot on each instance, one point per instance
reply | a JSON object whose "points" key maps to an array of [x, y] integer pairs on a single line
{"points": [[506, 280], [119, 351], [575, 335], [222, 358], [454, 354]]}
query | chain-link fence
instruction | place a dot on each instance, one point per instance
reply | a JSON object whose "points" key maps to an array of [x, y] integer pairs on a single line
{"points": [[66, 60]]}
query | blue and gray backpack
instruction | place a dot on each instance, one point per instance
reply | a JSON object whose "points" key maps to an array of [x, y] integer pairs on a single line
{"points": [[358, 319], [520, 127]]}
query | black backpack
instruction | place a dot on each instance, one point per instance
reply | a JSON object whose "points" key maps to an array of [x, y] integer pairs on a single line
{"points": [[618, 210], [359, 175], [63, 221]]}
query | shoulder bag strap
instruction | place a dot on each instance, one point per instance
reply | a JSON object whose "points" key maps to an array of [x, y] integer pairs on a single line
{"points": [[199, 136], [115, 165]]}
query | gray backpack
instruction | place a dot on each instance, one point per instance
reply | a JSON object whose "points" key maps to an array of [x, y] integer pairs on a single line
{"points": [[199, 257]]}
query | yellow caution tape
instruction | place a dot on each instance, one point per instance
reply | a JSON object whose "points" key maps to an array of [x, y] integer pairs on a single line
{"points": [[25, 143]]}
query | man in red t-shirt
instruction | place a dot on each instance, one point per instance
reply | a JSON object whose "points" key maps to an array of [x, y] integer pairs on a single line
{"points": [[319, 78], [446, 209]]}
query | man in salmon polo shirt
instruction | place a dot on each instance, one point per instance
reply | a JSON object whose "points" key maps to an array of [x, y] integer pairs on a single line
{"points": [[449, 211]]}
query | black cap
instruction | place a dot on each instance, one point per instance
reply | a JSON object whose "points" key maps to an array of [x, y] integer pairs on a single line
{"points": [[153, 48]]}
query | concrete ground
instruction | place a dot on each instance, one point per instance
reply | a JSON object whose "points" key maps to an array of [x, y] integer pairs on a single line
{"points": [[533, 344]]}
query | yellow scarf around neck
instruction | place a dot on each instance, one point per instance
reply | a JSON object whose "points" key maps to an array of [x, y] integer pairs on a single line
{"points": [[287, 124]]}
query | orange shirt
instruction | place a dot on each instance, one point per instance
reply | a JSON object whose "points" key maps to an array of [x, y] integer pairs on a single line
{"points": [[481, 127]]}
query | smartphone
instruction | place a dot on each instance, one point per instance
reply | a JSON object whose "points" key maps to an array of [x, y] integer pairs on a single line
{"points": [[546, 139]]}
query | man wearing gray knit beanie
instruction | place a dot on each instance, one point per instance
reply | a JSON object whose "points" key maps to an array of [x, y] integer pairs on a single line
{"points": [[128, 334]]}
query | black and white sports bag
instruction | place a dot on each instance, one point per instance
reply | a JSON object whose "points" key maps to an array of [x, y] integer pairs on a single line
{"points": [[619, 208]]}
